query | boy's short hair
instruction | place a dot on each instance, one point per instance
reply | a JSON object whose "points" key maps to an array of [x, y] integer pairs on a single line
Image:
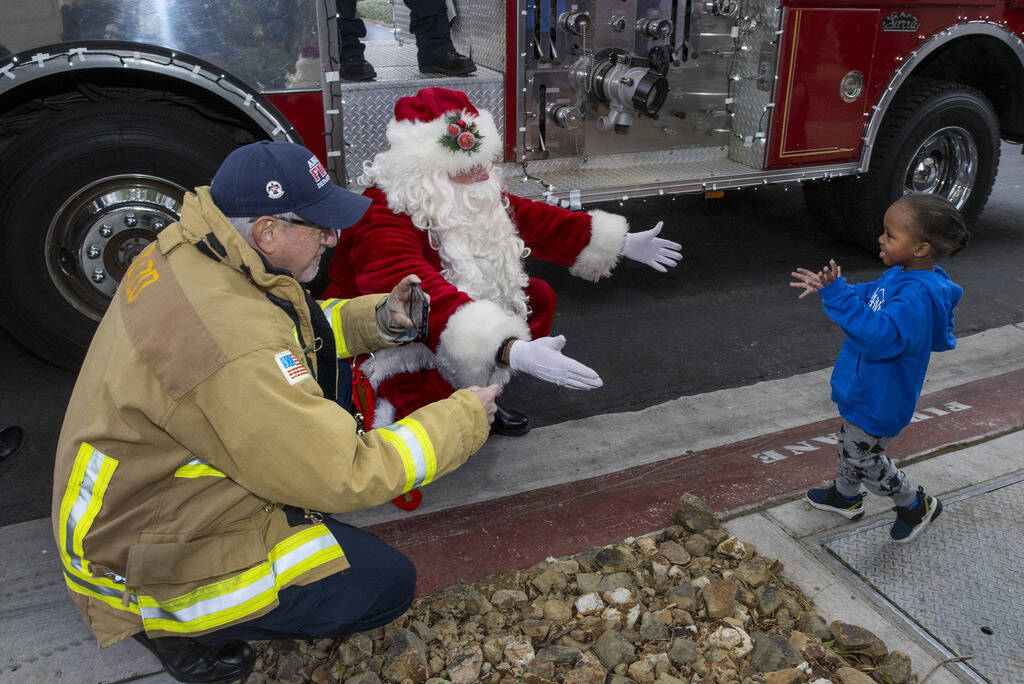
{"points": [[937, 222]]}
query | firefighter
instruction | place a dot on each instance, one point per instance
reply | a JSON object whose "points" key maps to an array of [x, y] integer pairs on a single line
{"points": [[428, 21], [201, 443]]}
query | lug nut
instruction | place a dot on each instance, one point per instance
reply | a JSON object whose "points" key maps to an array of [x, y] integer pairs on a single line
{"points": [[130, 220], [158, 225], [94, 252], [98, 275], [106, 230]]}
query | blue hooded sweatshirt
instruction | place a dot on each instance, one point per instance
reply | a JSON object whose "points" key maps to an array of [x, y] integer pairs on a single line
{"points": [[892, 325]]}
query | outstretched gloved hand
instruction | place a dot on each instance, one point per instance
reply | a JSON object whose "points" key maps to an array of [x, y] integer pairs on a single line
{"points": [[543, 359], [648, 248]]}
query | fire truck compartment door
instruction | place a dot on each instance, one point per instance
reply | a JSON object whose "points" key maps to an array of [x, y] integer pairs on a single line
{"points": [[812, 122]]}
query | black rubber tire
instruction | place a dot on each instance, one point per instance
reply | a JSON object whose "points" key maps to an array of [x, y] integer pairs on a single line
{"points": [[45, 166], [851, 208]]}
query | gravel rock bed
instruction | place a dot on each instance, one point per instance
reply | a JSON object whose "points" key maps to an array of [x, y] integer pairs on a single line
{"points": [[687, 604]]}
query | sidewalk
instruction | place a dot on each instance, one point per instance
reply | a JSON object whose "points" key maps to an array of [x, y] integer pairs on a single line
{"points": [[748, 451]]}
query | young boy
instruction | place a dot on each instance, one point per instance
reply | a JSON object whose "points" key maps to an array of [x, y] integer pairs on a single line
{"points": [[892, 325]]}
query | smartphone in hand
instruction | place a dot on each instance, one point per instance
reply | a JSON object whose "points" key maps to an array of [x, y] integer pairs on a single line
{"points": [[419, 311]]}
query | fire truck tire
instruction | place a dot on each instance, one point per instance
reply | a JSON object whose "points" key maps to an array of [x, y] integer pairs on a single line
{"points": [[936, 136], [82, 194]]}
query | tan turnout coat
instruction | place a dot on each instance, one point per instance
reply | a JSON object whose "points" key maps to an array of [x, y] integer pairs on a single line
{"points": [[197, 428]]}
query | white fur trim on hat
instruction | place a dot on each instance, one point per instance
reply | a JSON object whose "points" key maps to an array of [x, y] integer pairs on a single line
{"points": [[470, 341], [607, 238], [419, 142]]}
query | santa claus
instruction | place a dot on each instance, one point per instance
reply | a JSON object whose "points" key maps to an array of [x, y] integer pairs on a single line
{"points": [[438, 210]]}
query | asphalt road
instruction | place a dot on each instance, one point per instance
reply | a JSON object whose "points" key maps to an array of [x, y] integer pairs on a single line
{"points": [[724, 318]]}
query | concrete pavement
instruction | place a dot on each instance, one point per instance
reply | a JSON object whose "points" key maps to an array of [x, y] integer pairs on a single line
{"points": [[954, 450]]}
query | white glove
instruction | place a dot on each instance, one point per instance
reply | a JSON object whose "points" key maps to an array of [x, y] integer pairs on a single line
{"points": [[648, 248], [543, 359]]}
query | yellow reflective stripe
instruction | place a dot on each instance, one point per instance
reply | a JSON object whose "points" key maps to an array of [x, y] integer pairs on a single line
{"points": [[83, 498], [197, 467], [403, 450], [295, 334], [426, 446], [218, 604], [332, 310]]}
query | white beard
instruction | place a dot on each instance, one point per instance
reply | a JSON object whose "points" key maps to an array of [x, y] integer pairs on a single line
{"points": [[469, 225]]}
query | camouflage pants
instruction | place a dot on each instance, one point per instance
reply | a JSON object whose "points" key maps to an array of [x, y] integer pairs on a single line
{"points": [[862, 460]]}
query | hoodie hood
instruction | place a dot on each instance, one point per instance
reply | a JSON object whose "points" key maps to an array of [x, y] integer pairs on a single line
{"points": [[945, 295]]}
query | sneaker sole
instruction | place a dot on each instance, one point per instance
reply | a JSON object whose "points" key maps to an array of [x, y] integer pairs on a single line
{"points": [[925, 522], [850, 515]]}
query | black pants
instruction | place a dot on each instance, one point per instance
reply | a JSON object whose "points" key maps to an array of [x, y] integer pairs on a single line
{"points": [[428, 21], [377, 589]]}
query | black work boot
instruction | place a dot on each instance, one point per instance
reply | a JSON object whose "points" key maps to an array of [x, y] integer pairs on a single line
{"points": [[357, 69], [449, 63], [189, 661], [509, 422]]}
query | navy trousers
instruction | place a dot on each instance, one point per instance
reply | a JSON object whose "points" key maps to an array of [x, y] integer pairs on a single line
{"points": [[378, 588], [428, 21]]}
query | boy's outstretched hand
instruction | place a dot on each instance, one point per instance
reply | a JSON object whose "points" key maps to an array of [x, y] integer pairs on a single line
{"points": [[813, 282]]}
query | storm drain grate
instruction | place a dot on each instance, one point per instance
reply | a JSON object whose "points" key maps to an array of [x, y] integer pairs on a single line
{"points": [[960, 581]]}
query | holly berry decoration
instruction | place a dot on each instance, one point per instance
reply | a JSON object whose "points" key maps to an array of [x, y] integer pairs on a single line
{"points": [[460, 135]]}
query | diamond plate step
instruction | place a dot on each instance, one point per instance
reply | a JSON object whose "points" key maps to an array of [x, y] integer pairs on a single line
{"points": [[960, 580]]}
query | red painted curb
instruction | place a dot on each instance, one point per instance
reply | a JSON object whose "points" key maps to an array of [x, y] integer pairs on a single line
{"points": [[466, 543]]}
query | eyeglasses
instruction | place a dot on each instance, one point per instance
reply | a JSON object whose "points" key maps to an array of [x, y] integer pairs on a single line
{"points": [[328, 232]]}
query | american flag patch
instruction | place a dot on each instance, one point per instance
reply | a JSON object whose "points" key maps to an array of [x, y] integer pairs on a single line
{"points": [[293, 369]]}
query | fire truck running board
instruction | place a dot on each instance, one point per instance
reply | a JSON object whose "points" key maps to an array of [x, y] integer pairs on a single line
{"points": [[571, 182]]}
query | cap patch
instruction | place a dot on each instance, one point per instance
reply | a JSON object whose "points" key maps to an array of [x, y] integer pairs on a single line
{"points": [[293, 370], [274, 190], [319, 173]]}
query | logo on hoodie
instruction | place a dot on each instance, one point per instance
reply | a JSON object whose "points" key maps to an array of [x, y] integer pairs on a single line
{"points": [[877, 300]]}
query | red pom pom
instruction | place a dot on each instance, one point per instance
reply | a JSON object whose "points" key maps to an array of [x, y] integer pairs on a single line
{"points": [[467, 140], [462, 123], [453, 129]]}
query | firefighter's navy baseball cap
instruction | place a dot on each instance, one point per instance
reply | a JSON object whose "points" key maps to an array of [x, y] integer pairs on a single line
{"points": [[270, 178]]}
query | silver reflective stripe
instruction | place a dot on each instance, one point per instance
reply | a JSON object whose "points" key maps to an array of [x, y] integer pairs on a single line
{"points": [[415, 450], [197, 461], [212, 605], [330, 307], [99, 589], [85, 492], [301, 553]]}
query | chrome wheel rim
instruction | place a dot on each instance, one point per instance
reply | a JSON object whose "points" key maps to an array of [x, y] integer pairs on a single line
{"points": [[946, 164], [97, 232]]}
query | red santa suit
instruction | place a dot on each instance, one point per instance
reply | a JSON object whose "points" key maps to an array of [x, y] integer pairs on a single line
{"points": [[477, 300]]}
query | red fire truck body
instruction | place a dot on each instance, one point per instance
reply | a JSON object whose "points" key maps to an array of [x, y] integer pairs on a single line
{"points": [[110, 110]]}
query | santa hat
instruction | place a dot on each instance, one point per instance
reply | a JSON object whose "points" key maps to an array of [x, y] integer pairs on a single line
{"points": [[440, 128]]}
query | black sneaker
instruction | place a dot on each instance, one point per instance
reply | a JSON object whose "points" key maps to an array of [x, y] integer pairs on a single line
{"points": [[357, 69], [831, 500], [910, 521], [449, 63]]}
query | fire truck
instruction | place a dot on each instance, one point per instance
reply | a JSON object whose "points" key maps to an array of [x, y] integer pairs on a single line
{"points": [[110, 110]]}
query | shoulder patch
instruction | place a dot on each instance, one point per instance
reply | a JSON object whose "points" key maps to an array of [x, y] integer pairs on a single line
{"points": [[293, 370]]}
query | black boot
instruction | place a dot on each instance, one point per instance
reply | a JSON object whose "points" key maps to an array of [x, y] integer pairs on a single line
{"points": [[510, 422], [357, 69], [449, 63], [189, 661]]}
